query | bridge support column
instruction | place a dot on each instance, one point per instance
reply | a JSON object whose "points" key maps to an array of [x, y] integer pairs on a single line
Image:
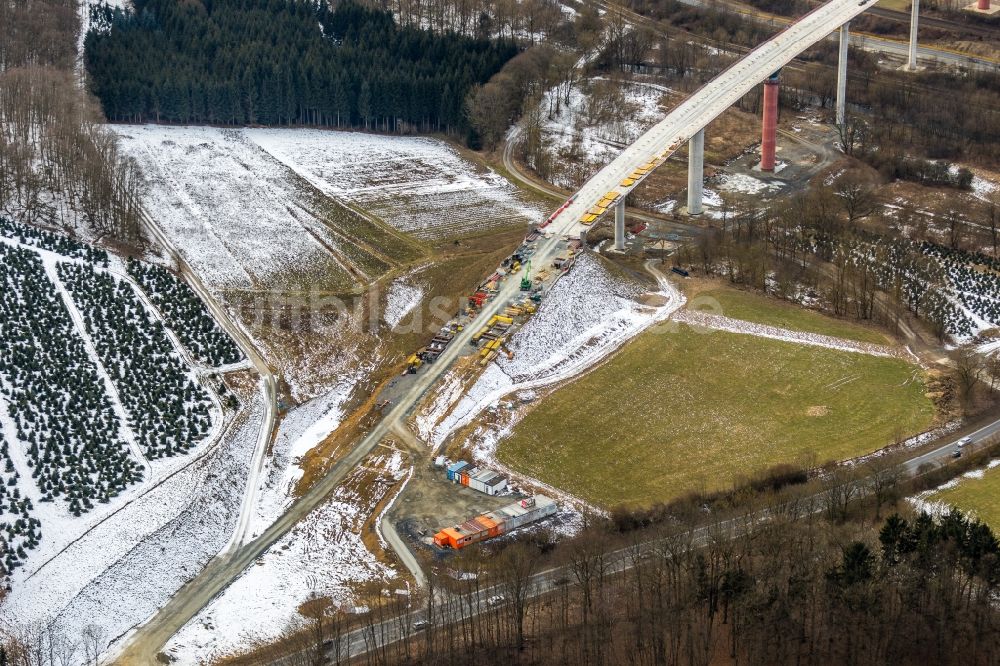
{"points": [[845, 36], [769, 134], [696, 172], [620, 225], [983, 5], [911, 64]]}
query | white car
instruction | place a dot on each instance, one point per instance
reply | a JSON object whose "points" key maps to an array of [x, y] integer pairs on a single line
{"points": [[962, 442], [495, 600]]}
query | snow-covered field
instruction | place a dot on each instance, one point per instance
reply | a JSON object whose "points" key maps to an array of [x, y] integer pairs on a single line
{"points": [[302, 429], [418, 185], [323, 556], [242, 219], [108, 567], [61, 528], [129, 564]]}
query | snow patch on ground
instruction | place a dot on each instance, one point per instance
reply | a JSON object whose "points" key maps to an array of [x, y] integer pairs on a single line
{"points": [[240, 217], [721, 323], [416, 184], [923, 501], [400, 300], [321, 556], [666, 207], [746, 184], [301, 430]]}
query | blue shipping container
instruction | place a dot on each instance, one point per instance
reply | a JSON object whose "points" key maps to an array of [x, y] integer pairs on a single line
{"points": [[456, 467]]}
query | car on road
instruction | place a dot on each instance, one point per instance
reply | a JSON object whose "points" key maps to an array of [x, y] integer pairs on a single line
{"points": [[957, 453], [495, 600], [962, 442], [420, 625]]}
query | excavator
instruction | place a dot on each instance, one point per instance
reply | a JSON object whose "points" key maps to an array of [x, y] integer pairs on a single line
{"points": [[526, 280]]}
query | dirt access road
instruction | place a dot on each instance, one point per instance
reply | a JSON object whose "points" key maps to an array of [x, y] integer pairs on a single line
{"points": [[147, 641]]}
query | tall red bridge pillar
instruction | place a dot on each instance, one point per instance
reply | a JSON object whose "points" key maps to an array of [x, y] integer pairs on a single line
{"points": [[769, 135], [984, 5]]}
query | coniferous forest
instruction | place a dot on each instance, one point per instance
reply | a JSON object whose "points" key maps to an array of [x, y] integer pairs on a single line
{"points": [[283, 62]]}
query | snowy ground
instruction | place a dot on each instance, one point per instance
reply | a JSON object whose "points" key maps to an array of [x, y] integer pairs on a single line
{"points": [[595, 137], [923, 501], [322, 556], [61, 528], [746, 184], [587, 315], [107, 568], [301, 430], [721, 323], [116, 575], [241, 218], [400, 300], [418, 185]]}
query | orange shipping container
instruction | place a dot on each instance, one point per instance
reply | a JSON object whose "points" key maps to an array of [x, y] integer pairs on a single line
{"points": [[491, 525]]}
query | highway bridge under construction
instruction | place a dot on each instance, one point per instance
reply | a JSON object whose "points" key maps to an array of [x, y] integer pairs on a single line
{"points": [[610, 186]]}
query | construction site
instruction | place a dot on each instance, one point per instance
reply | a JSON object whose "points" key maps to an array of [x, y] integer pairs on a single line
{"points": [[490, 337]]}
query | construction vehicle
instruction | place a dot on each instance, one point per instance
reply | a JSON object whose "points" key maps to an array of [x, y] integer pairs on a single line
{"points": [[478, 298], [526, 280], [413, 364]]}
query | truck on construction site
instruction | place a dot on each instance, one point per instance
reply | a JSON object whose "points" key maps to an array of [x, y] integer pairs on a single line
{"points": [[496, 523]]}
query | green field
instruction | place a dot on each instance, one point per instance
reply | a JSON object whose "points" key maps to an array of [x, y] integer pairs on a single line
{"points": [[762, 310], [676, 412], [978, 496]]}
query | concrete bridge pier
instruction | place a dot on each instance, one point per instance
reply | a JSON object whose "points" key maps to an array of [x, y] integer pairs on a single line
{"points": [[911, 64], [845, 36], [620, 225], [696, 172]]}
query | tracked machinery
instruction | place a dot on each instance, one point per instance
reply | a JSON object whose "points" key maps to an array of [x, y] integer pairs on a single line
{"points": [[526, 280]]}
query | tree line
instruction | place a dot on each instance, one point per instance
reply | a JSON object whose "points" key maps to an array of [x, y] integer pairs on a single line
{"points": [[59, 166], [283, 62]]}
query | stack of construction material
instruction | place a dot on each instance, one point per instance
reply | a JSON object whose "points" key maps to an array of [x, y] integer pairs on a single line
{"points": [[495, 523]]}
